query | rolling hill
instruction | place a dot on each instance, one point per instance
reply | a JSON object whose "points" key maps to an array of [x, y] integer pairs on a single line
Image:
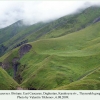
{"points": [[65, 54], [18, 34]]}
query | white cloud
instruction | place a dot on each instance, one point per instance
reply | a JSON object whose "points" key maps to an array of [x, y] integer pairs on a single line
{"points": [[35, 11]]}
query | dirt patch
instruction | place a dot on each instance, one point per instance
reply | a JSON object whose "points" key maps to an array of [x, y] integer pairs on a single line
{"points": [[96, 20], [5, 65], [24, 49], [15, 64], [0, 63], [19, 88], [15, 60]]}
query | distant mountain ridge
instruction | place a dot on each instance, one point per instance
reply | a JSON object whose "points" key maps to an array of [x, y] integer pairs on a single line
{"points": [[17, 33]]}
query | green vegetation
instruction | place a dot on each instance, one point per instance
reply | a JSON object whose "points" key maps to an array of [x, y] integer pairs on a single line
{"points": [[60, 61], [57, 59], [6, 82], [18, 34], [90, 82], [57, 62]]}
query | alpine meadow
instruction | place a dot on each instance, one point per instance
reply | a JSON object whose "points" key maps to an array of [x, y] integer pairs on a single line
{"points": [[62, 54]]}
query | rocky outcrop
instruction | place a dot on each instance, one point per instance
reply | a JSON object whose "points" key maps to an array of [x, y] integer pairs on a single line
{"points": [[24, 49], [15, 60], [0, 63], [96, 20], [15, 63], [5, 65]]}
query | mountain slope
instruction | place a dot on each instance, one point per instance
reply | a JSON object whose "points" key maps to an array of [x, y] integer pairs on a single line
{"points": [[89, 82], [53, 29], [67, 59], [72, 23], [20, 37], [6, 82], [60, 63], [7, 33], [10, 31]]}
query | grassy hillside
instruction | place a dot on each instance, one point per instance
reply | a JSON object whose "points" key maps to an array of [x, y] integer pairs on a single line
{"points": [[89, 82], [16, 35], [55, 62], [68, 62], [20, 37], [9, 32], [67, 24], [6, 82]]}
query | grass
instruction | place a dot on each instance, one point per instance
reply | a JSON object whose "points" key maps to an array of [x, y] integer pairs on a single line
{"points": [[14, 35], [61, 63], [6, 82], [82, 85], [8, 58], [91, 82], [68, 58], [68, 62]]}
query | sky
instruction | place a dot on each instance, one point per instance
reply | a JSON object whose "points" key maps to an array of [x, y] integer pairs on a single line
{"points": [[35, 11]]}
